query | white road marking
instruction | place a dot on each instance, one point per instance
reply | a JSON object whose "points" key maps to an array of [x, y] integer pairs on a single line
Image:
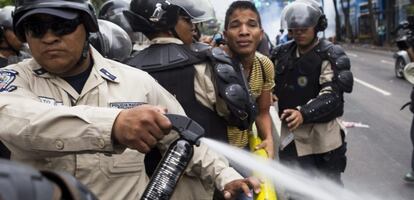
{"points": [[351, 54], [354, 124], [387, 62], [372, 87]]}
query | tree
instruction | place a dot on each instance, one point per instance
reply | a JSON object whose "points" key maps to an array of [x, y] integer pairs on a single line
{"points": [[375, 39], [97, 4], [6, 2], [390, 16], [348, 26], [337, 22]]}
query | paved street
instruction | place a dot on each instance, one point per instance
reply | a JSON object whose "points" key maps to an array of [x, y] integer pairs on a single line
{"points": [[378, 156]]}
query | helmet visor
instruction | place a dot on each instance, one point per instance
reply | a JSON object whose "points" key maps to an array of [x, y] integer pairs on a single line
{"points": [[199, 11], [116, 40], [300, 15]]}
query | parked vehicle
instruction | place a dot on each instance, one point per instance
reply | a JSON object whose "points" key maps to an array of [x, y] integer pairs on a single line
{"points": [[405, 42]]}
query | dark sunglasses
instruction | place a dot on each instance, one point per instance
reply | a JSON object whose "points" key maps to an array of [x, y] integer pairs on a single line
{"points": [[59, 27]]}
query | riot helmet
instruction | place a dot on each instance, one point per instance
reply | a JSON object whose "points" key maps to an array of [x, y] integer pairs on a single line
{"points": [[6, 20], [112, 11], [160, 15], [67, 9], [112, 7], [18, 182], [111, 41], [7, 32], [303, 14]]}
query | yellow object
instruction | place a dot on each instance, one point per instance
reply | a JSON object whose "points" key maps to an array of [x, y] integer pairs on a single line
{"points": [[267, 189]]}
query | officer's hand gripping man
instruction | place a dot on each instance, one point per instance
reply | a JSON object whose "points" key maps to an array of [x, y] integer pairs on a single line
{"points": [[70, 109], [311, 76]]}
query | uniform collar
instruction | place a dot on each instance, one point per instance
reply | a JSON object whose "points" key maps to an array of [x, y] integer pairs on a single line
{"points": [[166, 40], [101, 65]]}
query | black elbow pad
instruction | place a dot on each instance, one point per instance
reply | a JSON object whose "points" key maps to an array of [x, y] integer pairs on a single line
{"points": [[345, 81], [324, 108]]}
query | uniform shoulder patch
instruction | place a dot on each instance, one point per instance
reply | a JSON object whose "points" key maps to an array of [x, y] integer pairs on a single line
{"points": [[107, 74], [7, 76]]}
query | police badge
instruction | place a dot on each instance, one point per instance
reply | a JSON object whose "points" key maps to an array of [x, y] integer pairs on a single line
{"points": [[302, 81], [7, 76]]}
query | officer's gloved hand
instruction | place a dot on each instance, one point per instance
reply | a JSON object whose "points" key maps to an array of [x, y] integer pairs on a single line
{"points": [[141, 127], [412, 101]]}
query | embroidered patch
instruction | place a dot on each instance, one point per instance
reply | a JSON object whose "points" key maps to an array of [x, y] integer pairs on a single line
{"points": [[302, 81], [109, 75], [50, 101], [7, 76], [125, 105]]}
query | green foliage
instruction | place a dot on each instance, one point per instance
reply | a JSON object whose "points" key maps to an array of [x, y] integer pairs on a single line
{"points": [[410, 10], [97, 4], [6, 2]]}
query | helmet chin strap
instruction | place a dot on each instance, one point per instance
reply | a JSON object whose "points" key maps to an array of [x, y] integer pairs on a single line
{"points": [[85, 52]]}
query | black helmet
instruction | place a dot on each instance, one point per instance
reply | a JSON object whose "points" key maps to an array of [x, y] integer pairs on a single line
{"points": [[155, 15], [19, 182], [112, 41], [113, 7], [304, 14], [112, 11], [6, 20], [60, 8]]}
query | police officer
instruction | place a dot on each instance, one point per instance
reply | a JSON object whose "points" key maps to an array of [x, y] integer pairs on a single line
{"points": [[409, 177], [409, 75], [187, 70], [11, 48], [20, 182], [9, 51], [204, 81], [70, 109], [311, 76]]}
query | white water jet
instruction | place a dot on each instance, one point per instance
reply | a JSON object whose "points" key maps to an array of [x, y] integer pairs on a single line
{"points": [[289, 178]]}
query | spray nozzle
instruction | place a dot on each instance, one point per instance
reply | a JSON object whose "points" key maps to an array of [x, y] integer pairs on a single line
{"points": [[187, 128]]}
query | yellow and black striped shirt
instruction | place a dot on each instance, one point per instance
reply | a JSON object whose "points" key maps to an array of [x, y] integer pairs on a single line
{"points": [[261, 78]]}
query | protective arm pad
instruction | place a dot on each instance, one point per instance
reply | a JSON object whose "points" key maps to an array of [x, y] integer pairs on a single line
{"points": [[345, 81], [341, 65], [220, 55], [324, 108]]}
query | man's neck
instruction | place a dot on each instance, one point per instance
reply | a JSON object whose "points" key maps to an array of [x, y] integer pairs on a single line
{"points": [[307, 48], [247, 61]]}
